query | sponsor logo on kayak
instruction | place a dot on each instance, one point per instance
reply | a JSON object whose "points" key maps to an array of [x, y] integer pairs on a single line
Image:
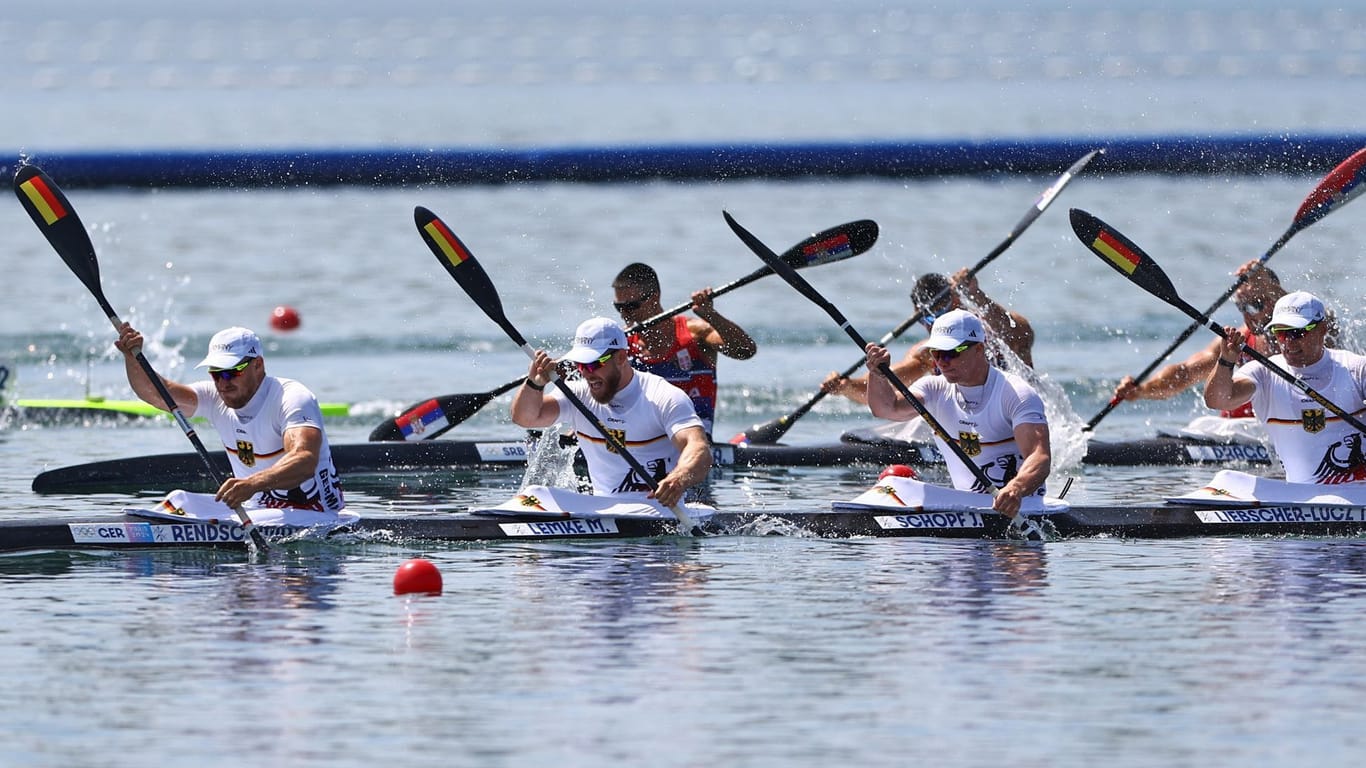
{"points": [[597, 526], [929, 520], [1288, 514]]}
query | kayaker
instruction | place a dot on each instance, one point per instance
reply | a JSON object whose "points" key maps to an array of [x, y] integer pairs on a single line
{"points": [[1009, 331], [1254, 298], [271, 428], [997, 416], [1313, 445], [653, 418], [682, 350]]}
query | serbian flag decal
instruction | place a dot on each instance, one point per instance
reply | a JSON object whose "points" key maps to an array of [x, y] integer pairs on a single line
{"points": [[450, 247], [46, 203], [424, 418], [830, 249], [1118, 253]]}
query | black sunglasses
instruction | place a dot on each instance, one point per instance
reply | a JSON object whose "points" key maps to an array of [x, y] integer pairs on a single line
{"points": [[628, 306]]}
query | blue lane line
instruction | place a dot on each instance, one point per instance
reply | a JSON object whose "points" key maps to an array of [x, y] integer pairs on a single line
{"points": [[1287, 153]]}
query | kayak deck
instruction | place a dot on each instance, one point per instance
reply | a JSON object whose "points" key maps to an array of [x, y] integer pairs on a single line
{"points": [[843, 520]]}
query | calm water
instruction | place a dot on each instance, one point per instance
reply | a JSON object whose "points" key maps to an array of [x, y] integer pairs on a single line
{"points": [[726, 651]]}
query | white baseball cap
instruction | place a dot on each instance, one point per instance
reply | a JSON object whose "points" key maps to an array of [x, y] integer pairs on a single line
{"points": [[229, 346], [954, 329], [594, 338], [1298, 309]]}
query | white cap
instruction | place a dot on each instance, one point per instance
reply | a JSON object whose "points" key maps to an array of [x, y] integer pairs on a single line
{"points": [[1297, 310], [594, 338], [954, 329], [229, 346]]}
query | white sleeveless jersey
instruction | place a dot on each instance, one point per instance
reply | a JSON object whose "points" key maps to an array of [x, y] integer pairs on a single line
{"points": [[253, 436], [1314, 445], [644, 416], [983, 419]]}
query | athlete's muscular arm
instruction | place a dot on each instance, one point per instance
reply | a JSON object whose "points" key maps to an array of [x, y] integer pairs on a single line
{"points": [[302, 448], [694, 461]]}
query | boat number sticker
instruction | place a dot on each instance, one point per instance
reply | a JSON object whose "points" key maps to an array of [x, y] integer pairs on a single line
{"points": [[924, 520], [597, 526], [1281, 515], [1228, 452], [490, 452]]}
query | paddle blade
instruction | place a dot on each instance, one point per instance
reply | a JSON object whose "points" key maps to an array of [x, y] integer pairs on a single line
{"points": [[767, 433], [1124, 256], [430, 418], [1337, 188], [57, 220], [834, 244], [462, 266], [438, 415]]}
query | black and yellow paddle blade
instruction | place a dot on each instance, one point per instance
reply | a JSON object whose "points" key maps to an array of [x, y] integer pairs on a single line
{"points": [[461, 264], [1123, 255], [57, 220]]}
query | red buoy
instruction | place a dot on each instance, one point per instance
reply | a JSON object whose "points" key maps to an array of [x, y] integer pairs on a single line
{"points": [[284, 318], [417, 575], [898, 470]]}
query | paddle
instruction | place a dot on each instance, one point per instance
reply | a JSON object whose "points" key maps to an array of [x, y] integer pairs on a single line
{"points": [[1019, 521], [52, 212], [1129, 260], [772, 431], [467, 271], [1337, 188], [435, 416]]}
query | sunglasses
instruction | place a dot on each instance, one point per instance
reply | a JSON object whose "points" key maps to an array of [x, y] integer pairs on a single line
{"points": [[952, 354], [228, 374], [1291, 333], [628, 306], [1250, 307], [596, 364]]}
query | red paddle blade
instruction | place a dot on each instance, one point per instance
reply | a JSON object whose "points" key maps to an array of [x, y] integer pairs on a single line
{"points": [[1340, 185]]}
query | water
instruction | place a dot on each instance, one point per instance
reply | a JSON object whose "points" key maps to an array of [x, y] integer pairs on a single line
{"points": [[737, 650]]}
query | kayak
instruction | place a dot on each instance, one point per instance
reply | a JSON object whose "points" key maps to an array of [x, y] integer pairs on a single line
{"points": [[398, 460], [163, 472], [99, 410], [1232, 504], [1205, 440], [535, 512]]}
